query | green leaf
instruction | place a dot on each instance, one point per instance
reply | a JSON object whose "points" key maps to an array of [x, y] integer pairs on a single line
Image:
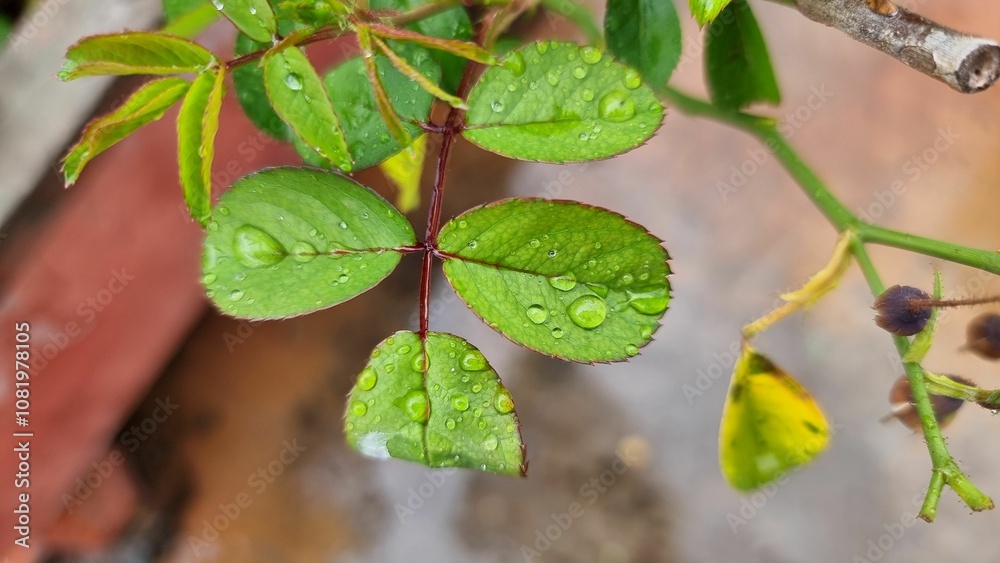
{"points": [[248, 80], [922, 341], [736, 61], [146, 105], [449, 24], [255, 18], [580, 16], [288, 241], [569, 280], [464, 49], [197, 124], [770, 424], [368, 138], [403, 66], [645, 34], [176, 9], [298, 96], [382, 101], [404, 171], [558, 102], [705, 11], [191, 24], [436, 402], [134, 53]]}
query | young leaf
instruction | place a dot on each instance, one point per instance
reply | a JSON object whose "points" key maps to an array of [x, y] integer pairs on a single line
{"points": [[558, 102], [705, 11], [569, 280], [436, 402], [368, 138], [255, 18], [404, 171], [736, 61], [197, 124], [580, 16], [382, 101], [449, 24], [770, 424], [248, 80], [134, 53], [288, 241], [464, 49], [146, 105], [192, 23], [413, 74], [298, 96], [645, 34]]}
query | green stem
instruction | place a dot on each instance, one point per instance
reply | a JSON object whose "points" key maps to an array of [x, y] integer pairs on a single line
{"points": [[944, 468]]}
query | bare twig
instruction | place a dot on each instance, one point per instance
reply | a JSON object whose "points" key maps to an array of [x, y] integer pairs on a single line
{"points": [[966, 63]]}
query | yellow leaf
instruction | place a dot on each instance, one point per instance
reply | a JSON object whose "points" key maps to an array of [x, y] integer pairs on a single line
{"points": [[404, 171], [770, 424]]}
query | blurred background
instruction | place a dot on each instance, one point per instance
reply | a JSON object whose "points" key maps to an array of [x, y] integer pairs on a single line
{"points": [[165, 432]]}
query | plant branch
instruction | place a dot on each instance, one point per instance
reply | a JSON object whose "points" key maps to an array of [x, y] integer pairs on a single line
{"points": [[964, 62], [982, 259]]}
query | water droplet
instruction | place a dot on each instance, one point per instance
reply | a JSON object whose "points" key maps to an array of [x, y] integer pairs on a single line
{"points": [[403, 350], [491, 443], [460, 402], [497, 106], [646, 332], [587, 94], [503, 403], [552, 253], [302, 251], [473, 244], [343, 225], [591, 55], [450, 423], [580, 72], [627, 279], [419, 363], [542, 47], [223, 210], [358, 408], [208, 279], [236, 294], [477, 387], [253, 11], [616, 106], [293, 81], [463, 224], [218, 4], [367, 379], [514, 63], [256, 249], [343, 278], [563, 283], [587, 311], [632, 80], [552, 77], [649, 302], [390, 368], [534, 243], [213, 226], [557, 332], [599, 289], [584, 137], [473, 360], [631, 349], [415, 405], [537, 314]]}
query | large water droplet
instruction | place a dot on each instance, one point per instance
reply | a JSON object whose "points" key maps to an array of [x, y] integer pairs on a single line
{"points": [[631, 349], [580, 72], [557, 332], [542, 47], [236, 294], [552, 77], [646, 332], [460, 402], [415, 405], [256, 249], [536, 314], [293, 81], [491, 443], [632, 80], [514, 63], [591, 55], [497, 106], [563, 283], [358, 408], [367, 379], [419, 363], [302, 251], [587, 311], [650, 302], [503, 403], [473, 360], [616, 106]]}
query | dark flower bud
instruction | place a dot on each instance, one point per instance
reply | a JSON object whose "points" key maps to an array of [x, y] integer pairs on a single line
{"points": [[895, 310], [901, 400], [983, 336]]}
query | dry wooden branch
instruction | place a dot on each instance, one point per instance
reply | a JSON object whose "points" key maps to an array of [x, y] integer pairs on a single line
{"points": [[966, 63]]}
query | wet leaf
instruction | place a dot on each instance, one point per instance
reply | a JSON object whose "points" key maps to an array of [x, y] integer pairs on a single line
{"points": [[558, 102], [770, 424], [436, 402], [190, 24], [705, 11], [134, 53], [248, 80], [255, 18], [288, 241], [576, 282], [197, 124], [645, 34], [737, 65], [146, 105]]}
